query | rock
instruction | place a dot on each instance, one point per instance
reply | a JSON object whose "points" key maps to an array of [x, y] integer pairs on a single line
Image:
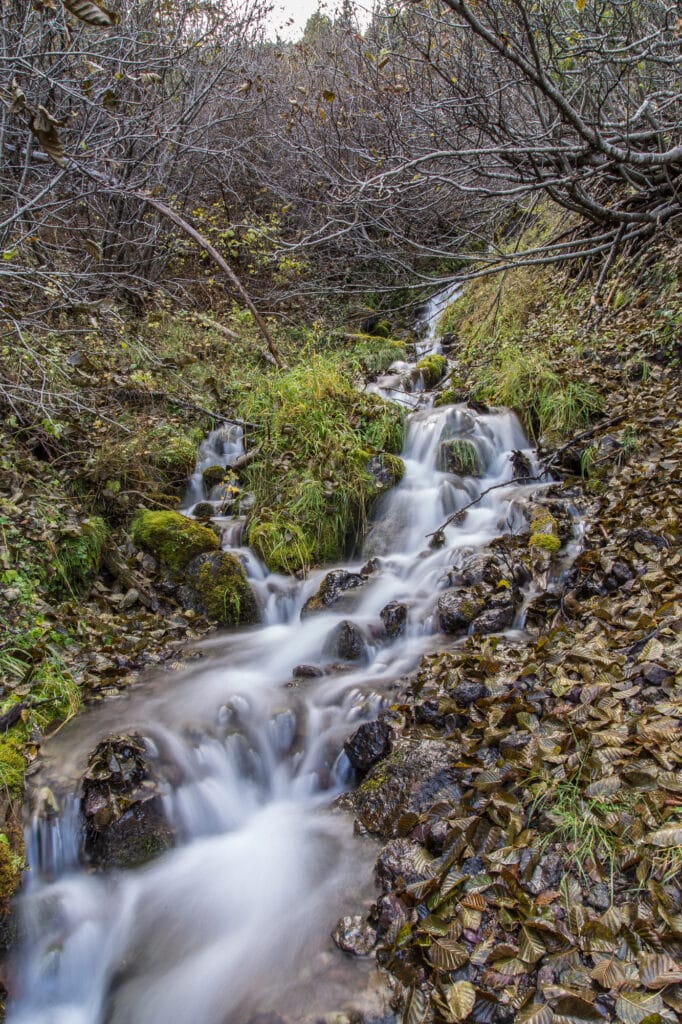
{"points": [[203, 510], [432, 369], [476, 569], [395, 868], [411, 779], [459, 457], [330, 590], [456, 609], [212, 476], [307, 672], [394, 618], [173, 539], [121, 805], [369, 568], [494, 619], [349, 641], [354, 935], [386, 470], [654, 674], [368, 744], [221, 589]]}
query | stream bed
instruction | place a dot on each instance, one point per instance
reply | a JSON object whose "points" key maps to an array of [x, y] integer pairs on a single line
{"points": [[235, 921]]}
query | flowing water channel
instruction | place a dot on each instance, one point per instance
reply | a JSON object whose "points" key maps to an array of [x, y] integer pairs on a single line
{"points": [[236, 919]]}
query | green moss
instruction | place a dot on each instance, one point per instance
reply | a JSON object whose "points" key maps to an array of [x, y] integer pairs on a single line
{"points": [[432, 369], [392, 467], [544, 531], [451, 396], [176, 457], [212, 476], [172, 538], [224, 591], [460, 457], [12, 767], [374, 355]]}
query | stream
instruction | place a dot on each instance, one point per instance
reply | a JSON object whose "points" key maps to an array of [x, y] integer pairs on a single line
{"points": [[235, 921]]}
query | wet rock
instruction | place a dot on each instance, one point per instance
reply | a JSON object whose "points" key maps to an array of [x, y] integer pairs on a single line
{"points": [[203, 510], [330, 590], [457, 609], [354, 935], [220, 589], [173, 539], [395, 865], [477, 569], [212, 476], [307, 672], [410, 780], [654, 674], [121, 806], [544, 531], [394, 618], [349, 641], [386, 470], [368, 744], [370, 567], [494, 619], [619, 574]]}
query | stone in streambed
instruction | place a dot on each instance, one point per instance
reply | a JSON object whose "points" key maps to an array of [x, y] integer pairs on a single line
{"points": [[354, 935], [413, 777], [220, 589], [394, 869], [496, 617], [335, 583], [457, 609], [394, 618], [368, 744], [307, 672], [349, 642], [121, 804]]}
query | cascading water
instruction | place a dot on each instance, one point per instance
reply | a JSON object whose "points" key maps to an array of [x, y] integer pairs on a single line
{"points": [[235, 920]]}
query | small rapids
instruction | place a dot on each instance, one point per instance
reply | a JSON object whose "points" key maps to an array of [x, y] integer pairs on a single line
{"points": [[235, 921]]}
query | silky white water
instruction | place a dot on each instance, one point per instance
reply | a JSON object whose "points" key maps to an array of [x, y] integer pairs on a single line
{"points": [[236, 919]]}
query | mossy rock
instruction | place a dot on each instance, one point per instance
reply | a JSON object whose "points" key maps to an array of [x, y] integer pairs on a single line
{"points": [[432, 369], [172, 538], [222, 589], [176, 459], [544, 531], [459, 457], [203, 510], [283, 545], [212, 476]]}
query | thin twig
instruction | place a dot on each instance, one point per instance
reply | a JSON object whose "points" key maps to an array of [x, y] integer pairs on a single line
{"points": [[505, 483]]}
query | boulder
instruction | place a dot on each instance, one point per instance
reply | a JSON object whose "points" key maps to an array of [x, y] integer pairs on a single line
{"points": [[212, 476], [121, 804], [368, 744], [349, 642], [335, 583], [394, 618], [496, 616], [173, 539], [457, 609], [221, 590], [416, 774]]}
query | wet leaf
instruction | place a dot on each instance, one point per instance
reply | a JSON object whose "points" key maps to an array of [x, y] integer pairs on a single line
{"points": [[416, 1007], [536, 1013], [91, 13], [658, 970], [459, 1000], [667, 837], [635, 1007], [448, 955]]}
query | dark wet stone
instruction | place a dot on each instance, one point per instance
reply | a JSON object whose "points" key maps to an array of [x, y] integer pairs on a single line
{"points": [[620, 574], [416, 774], [394, 618], [354, 935], [457, 609], [368, 744], [307, 672], [495, 619], [436, 834], [468, 692], [370, 567], [647, 537], [547, 875], [330, 590], [477, 568], [427, 712], [599, 896], [349, 642], [395, 865], [121, 804]]}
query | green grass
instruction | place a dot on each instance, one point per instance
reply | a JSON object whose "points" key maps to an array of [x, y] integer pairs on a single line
{"points": [[317, 434]]}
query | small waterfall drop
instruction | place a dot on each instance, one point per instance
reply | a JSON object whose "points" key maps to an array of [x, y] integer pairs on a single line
{"points": [[235, 920]]}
